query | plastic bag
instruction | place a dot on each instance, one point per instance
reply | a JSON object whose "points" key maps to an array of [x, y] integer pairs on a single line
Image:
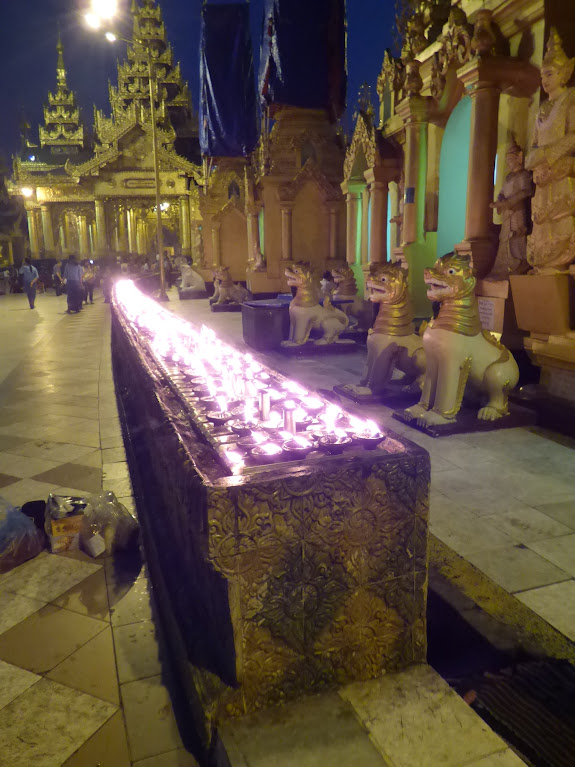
{"points": [[107, 525], [20, 540]]}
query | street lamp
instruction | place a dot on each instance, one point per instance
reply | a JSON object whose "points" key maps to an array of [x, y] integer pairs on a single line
{"points": [[103, 11]]}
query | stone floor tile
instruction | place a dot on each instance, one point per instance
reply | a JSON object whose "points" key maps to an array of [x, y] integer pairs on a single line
{"points": [[73, 475], [13, 682], [29, 737], [416, 719], [46, 638], [563, 512], [108, 747], [7, 443], [129, 502], [132, 607], [137, 651], [150, 720], [516, 568], [120, 487], [91, 669], [464, 532], [46, 577], [115, 471], [93, 459], [6, 479], [19, 466], [61, 452], [321, 730], [112, 441], [525, 525], [15, 607], [559, 551], [89, 597], [113, 455], [179, 758], [25, 490], [502, 759], [85, 438], [555, 604]]}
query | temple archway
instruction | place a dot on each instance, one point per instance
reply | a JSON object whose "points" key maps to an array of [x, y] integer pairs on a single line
{"points": [[453, 172]]}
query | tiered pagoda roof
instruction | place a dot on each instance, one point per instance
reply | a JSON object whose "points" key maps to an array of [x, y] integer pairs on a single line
{"points": [[130, 99], [62, 125]]}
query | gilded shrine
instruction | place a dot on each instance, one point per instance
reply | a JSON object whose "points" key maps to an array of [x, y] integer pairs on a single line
{"points": [[96, 197]]}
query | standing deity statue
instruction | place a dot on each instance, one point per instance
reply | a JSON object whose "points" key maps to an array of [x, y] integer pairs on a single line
{"points": [[513, 204], [551, 247]]}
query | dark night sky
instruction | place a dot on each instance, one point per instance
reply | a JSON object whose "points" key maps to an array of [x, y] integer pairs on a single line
{"points": [[28, 33]]}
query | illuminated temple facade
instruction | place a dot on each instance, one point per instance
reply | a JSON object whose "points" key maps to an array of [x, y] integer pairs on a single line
{"points": [[419, 177], [96, 196]]}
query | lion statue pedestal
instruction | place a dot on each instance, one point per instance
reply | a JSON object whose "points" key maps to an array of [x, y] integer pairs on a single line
{"points": [[192, 284], [393, 346], [307, 314], [228, 297], [460, 358]]}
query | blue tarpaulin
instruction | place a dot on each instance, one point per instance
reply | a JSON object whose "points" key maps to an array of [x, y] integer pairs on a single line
{"points": [[303, 55], [228, 123]]}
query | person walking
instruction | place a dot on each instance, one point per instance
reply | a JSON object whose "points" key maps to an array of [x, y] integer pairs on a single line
{"points": [[57, 278], [73, 274], [29, 279], [89, 280]]}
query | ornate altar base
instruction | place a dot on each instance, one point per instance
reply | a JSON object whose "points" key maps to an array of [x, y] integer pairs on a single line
{"points": [[281, 581], [467, 421]]}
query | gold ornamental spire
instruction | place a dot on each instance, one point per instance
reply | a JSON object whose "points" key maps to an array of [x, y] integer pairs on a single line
{"points": [[556, 57], [60, 69]]}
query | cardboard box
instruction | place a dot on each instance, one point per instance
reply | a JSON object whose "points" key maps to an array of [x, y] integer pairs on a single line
{"points": [[70, 525]]}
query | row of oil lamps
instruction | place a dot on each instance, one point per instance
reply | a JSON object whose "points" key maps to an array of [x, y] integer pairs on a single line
{"points": [[251, 415]]}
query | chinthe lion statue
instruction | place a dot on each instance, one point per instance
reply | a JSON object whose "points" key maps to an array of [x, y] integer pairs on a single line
{"points": [[458, 352], [191, 280], [225, 289], [392, 343], [306, 313], [346, 289]]}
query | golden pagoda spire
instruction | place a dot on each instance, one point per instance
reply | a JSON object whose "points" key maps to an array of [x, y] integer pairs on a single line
{"points": [[60, 69]]}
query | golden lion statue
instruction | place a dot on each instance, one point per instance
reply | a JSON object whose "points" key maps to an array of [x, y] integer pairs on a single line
{"points": [[458, 352], [346, 288], [392, 343], [225, 289], [305, 311]]}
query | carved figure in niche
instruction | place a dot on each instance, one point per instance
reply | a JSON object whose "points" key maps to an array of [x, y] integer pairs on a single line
{"points": [[458, 352], [415, 39], [225, 289], [551, 246], [305, 311], [256, 263], [392, 343], [513, 204], [191, 280], [346, 289], [484, 38], [413, 82]]}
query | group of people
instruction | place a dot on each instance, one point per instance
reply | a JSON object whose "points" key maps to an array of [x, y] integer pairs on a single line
{"points": [[76, 278]]}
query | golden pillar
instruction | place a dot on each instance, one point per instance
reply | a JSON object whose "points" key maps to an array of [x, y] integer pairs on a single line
{"points": [[352, 203], [48, 230], [216, 244], [414, 112], [101, 233], [333, 231], [83, 239], [33, 233], [364, 225], [123, 245], [140, 237], [378, 235], [286, 209], [185, 231], [482, 154], [253, 233], [131, 219]]}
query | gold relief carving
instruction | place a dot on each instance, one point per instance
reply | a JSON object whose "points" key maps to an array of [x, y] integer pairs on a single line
{"points": [[364, 139], [310, 172], [391, 76], [456, 43]]}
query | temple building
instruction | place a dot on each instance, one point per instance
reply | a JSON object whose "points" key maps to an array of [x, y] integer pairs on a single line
{"points": [[420, 181], [97, 197]]}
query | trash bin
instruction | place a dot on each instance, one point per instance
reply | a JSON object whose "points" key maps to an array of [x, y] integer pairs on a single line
{"points": [[265, 324]]}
